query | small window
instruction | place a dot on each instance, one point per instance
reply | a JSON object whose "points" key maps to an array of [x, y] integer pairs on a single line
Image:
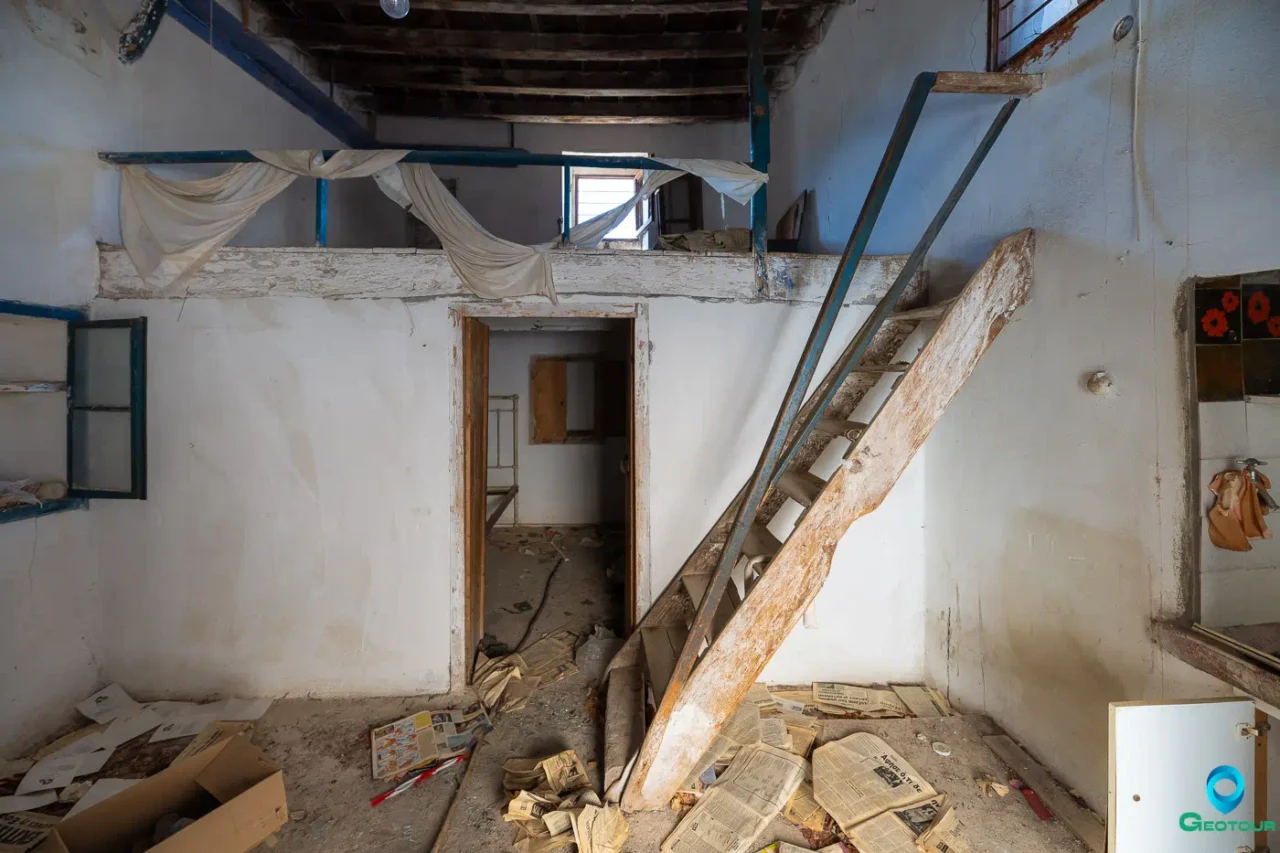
{"points": [[577, 399], [106, 409], [596, 190], [597, 194], [1017, 25]]}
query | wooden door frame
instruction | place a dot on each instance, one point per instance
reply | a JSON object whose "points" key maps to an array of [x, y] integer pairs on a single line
{"points": [[638, 313]]}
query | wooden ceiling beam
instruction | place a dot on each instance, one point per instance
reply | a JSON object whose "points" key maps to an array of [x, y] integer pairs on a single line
{"points": [[528, 110], [581, 9], [543, 82], [554, 47]]}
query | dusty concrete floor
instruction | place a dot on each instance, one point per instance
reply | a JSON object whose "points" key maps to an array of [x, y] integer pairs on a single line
{"points": [[323, 745], [323, 748]]}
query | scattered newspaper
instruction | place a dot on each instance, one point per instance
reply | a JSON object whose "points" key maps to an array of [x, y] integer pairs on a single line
{"points": [[803, 810], [504, 683], [599, 830], [802, 740], [942, 836], [860, 776], [547, 777], [551, 658], [909, 828], [553, 807], [733, 812], [21, 831], [425, 737], [835, 698], [742, 729], [922, 701]]}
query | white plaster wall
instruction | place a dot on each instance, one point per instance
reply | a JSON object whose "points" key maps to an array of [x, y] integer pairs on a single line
{"points": [[718, 374], [1055, 520], [57, 200], [298, 535], [523, 204], [559, 483]]}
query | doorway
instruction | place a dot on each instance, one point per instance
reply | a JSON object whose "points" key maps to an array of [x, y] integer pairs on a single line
{"points": [[553, 444]]}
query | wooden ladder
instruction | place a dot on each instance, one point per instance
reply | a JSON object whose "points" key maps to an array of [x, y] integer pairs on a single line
{"points": [[707, 637]]}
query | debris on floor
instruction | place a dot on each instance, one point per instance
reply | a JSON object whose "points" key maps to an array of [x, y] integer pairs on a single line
{"points": [[553, 806], [734, 811], [504, 683], [857, 791], [927, 826], [74, 777], [990, 787], [410, 779], [424, 738]]}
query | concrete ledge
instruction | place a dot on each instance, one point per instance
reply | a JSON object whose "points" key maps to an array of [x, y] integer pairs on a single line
{"points": [[1218, 660], [426, 274]]}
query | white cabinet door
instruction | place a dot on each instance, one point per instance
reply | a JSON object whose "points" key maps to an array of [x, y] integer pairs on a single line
{"points": [[1182, 777]]}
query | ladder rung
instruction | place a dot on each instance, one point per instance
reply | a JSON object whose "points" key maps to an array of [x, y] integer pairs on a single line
{"points": [[928, 312], [662, 645], [987, 83], [760, 542], [841, 427], [802, 487], [895, 367], [696, 586]]}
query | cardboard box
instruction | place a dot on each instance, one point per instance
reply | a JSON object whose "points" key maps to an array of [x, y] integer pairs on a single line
{"points": [[233, 791]]}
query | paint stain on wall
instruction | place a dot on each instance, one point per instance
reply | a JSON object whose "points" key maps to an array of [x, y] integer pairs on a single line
{"points": [[1061, 631]]}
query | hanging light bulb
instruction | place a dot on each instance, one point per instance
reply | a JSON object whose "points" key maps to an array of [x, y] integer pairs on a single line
{"points": [[395, 8]]}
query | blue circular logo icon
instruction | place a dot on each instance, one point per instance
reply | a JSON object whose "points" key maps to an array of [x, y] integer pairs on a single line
{"points": [[1225, 803]]}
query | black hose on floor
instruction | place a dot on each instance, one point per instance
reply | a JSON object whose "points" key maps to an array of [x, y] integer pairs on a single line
{"points": [[545, 591]]}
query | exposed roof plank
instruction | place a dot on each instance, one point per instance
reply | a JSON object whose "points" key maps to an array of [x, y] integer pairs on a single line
{"points": [[533, 110], [558, 47], [544, 82], [581, 9]]}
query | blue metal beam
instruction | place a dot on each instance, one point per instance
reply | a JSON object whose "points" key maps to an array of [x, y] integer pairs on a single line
{"points": [[759, 124], [566, 207], [45, 312], [214, 25], [322, 213], [443, 157]]}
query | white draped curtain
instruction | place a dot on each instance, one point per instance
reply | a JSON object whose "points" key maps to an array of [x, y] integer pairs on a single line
{"points": [[171, 228]]}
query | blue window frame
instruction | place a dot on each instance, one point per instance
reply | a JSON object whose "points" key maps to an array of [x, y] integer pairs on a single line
{"points": [[106, 454]]}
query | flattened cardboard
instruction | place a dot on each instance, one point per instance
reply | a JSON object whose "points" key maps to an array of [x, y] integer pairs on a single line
{"points": [[250, 788]]}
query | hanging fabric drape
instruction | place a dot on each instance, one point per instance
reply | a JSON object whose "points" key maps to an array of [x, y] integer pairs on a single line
{"points": [[736, 180], [171, 228], [310, 163], [489, 266]]}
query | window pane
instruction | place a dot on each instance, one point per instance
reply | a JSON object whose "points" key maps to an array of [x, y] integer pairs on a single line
{"points": [[580, 385], [101, 372], [598, 194], [102, 453], [1022, 21]]}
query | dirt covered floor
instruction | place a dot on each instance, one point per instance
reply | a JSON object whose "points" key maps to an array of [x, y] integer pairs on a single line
{"points": [[323, 745]]}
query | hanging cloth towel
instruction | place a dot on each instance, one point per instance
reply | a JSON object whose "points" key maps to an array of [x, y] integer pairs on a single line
{"points": [[1236, 516]]}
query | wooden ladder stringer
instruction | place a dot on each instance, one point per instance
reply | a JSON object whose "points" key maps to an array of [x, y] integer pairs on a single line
{"points": [[755, 630]]}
